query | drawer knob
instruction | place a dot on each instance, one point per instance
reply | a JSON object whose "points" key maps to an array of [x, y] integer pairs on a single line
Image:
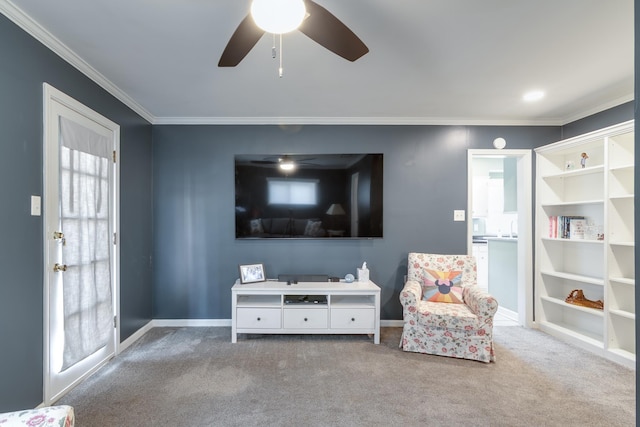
{"points": [[305, 319], [259, 319], [353, 319]]}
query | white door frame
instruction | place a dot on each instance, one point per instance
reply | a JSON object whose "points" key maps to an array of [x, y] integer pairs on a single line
{"points": [[52, 100], [525, 224]]}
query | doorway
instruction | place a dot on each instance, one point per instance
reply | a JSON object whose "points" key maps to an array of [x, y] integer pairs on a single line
{"points": [[503, 223], [81, 257]]}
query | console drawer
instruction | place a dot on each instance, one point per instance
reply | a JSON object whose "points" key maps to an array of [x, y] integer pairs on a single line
{"points": [[258, 318], [306, 318], [352, 318]]}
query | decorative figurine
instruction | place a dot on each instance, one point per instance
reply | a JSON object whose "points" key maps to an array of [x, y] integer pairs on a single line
{"points": [[583, 160]]}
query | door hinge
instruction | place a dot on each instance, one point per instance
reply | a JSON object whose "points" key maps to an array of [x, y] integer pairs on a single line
{"points": [[115, 156], [115, 239], [115, 321]]}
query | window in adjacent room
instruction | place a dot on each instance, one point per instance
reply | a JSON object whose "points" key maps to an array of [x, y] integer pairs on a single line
{"points": [[292, 191]]}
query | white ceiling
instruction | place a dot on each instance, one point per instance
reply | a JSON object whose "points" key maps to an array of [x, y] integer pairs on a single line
{"points": [[430, 61]]}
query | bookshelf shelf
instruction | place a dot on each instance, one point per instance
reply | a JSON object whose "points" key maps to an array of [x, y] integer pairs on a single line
{"points": [[575, 277], [579, 241], [574, 203]]}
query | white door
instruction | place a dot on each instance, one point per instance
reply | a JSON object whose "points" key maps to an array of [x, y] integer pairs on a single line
{"points": [[80, 227]]}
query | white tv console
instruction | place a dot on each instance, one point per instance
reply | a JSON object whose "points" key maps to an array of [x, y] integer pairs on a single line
{"points": [[261, 308]]}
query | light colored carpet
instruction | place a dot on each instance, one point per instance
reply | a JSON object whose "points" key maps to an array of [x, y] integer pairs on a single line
{"points": [[196, 377]]}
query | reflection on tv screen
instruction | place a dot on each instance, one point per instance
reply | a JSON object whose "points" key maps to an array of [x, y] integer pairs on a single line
{"points": [[308, 196]]}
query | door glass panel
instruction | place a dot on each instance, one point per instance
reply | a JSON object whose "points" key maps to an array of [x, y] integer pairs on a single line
{"points": [[84, 218]]}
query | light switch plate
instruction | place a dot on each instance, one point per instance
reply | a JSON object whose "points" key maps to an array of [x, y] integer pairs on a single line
{"points": [[458, 215], [36, 206]]}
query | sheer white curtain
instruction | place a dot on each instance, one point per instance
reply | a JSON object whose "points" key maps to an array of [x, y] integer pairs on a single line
{"points": [[85, 211]]}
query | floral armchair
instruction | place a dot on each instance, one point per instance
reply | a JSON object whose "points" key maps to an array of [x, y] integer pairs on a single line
{"points": [[48, 416], [444, 311]]}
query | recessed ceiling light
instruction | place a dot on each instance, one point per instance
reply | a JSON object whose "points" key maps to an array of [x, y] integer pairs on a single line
{"points": [[534, 95]]}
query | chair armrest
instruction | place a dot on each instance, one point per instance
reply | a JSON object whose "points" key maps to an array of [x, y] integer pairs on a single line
{"points": [[410, 295], [481, 303]]}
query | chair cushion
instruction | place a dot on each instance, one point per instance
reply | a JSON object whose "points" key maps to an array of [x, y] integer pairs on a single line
{"points": [[417, 262], [447, 316], [313, 228], [442, 286], [280, 226]]}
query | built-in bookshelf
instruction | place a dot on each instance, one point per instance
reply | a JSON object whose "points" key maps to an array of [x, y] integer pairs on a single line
{"points": [[585, 240]]}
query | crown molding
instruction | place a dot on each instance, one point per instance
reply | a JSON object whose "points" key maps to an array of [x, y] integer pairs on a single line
{"points": [[382, 121], [598, 109], [38, 32]]}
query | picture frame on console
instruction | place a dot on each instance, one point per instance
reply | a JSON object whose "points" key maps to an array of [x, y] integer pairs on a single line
{"points": [[251, 273]]}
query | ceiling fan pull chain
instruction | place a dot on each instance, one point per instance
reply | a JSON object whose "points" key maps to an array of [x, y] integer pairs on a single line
{"points": [[280, 69], [273, 48]]}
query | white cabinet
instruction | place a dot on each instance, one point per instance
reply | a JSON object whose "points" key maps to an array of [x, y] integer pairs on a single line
{"points": [[601, 261], [503, 272], [480, 252], [480, 196], [510, 184], [329, 308]]}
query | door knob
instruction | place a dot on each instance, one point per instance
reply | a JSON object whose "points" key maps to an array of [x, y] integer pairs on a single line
{"points": [[58, 235], [59, 267]]}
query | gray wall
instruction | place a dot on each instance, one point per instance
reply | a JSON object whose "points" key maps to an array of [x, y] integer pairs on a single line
{"points": [[25, 65], [196, 255], [601, 120]]}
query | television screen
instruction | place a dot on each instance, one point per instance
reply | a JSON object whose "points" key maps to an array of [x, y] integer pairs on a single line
{"points": [[308, 196]]}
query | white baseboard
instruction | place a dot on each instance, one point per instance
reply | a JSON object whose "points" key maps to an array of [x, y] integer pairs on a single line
{"points": [[509, 314], [135, 337], [392, 323], [179, 323]]}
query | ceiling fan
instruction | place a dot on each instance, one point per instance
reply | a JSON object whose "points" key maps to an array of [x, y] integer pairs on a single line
{"points": [[319, 25], [284, 162]]}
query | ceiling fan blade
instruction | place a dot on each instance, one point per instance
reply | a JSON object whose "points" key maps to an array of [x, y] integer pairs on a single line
{"points": [[263, 162], [325, 29], [241, 42]]}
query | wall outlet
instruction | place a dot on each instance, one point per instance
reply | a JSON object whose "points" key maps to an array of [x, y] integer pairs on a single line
{"points": [[458, 215]]}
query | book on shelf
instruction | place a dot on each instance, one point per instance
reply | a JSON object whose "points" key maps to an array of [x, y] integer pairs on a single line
{"points": [[577, 227], [567, 227]]}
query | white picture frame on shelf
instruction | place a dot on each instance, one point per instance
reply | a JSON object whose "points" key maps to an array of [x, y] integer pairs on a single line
{"points": [[251, 273]]}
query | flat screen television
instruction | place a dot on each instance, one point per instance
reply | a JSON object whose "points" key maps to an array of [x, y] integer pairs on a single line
{"points": [[308, 196]]}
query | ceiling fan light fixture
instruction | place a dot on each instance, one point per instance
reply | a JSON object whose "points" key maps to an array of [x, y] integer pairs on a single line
{"points": [[287, 166], [278, 16], [286, 163]]}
